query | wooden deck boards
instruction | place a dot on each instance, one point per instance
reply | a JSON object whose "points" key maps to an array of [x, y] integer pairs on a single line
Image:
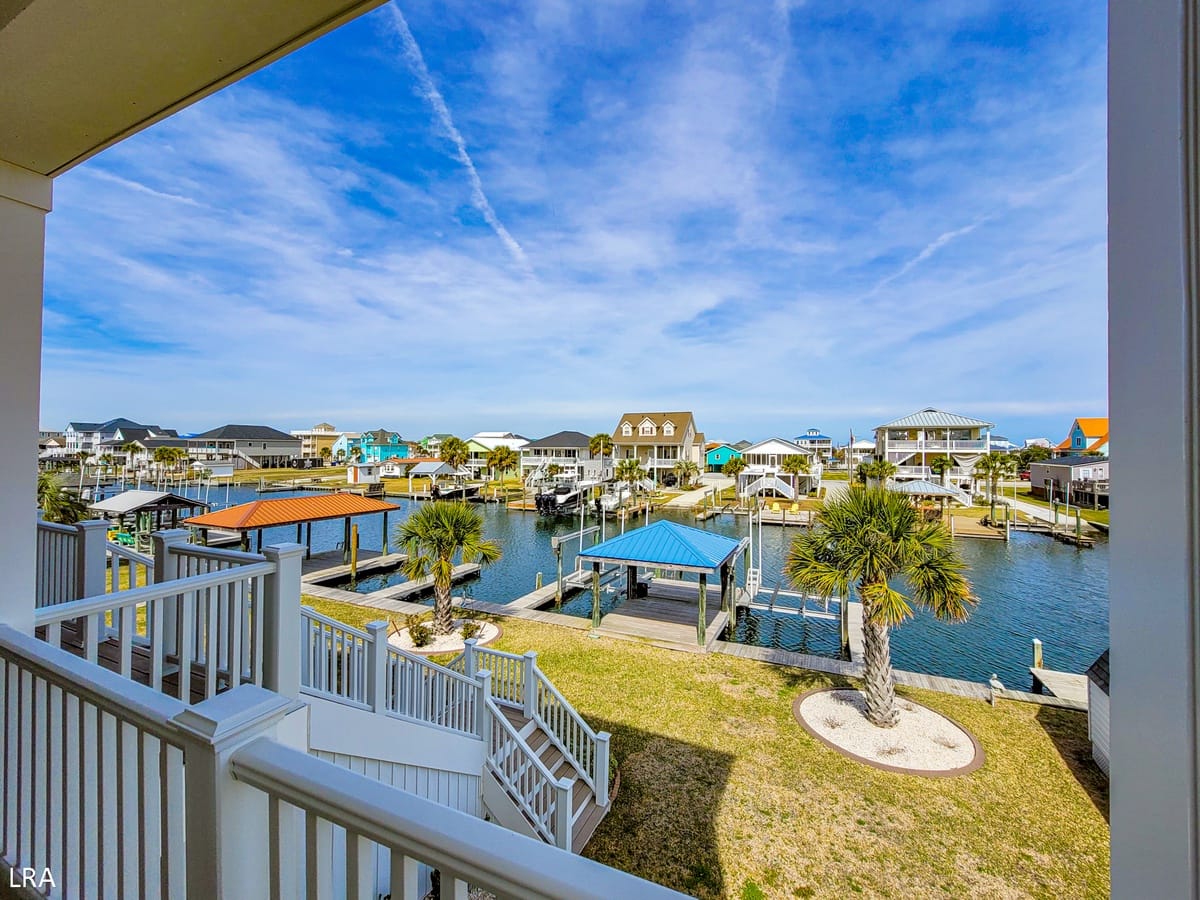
{"points": [[1066, 685], [669, 623]]}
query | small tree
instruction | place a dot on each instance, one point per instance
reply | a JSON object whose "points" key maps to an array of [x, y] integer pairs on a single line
{"points": [[631, 472], [940, 465], [56, 502], [501, 459], [992, 468], [734, 466], [796, 464], [686, 471], [431, 538], [600, 445]]}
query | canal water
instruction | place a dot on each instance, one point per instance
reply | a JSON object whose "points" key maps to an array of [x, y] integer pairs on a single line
{"points": [[1030, 587]]}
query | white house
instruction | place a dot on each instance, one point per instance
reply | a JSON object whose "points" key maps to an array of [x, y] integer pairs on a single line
{"points": [[765, 469], [913, 442], [569, 450], [1097, 677]]}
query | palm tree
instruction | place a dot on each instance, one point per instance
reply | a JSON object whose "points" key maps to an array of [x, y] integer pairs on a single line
{"points": [[631, 472], [454, 452], [325, 453], [56, 503], [734, 466], [867, 538], [686, 470], [796, 464], [553, 469], [600, 445], [129, 448], [875, 473], [431, 538], [501, 459], [993, 467], [82, 456], [940, 465]]}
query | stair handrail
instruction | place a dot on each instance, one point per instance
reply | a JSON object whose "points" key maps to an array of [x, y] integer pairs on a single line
{"points": [[545, 800], [538, 699]]}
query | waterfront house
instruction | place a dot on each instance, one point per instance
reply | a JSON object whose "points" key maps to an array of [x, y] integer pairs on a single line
{"points": [[1079, 480], [482, 443], [314, 440], [912, 442], [1097, 695], [658, 440], [569, 450], [717, 455], [432, 444], [861, 451], [820, 445], [765, 473], [250, 446], [379, 446], [341, 446], [1087, 435], [88, 436]]}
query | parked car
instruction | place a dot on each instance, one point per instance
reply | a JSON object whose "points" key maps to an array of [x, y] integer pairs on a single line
{"points": [[1024, 476], [669, 480]]}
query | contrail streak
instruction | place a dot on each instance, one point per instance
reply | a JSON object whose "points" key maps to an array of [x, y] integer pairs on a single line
{"points": [[416, 62]]}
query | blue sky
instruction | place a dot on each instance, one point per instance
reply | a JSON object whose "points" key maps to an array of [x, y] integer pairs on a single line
{"points": [[539, 215]]}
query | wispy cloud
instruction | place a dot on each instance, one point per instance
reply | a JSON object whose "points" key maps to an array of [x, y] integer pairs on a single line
{"points": [[416, 62]]}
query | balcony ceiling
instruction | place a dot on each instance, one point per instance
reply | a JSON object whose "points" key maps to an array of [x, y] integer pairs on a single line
{"points": [[77, 76]]}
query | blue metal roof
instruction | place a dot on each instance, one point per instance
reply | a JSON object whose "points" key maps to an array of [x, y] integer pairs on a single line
{"points": [[666, 544]]}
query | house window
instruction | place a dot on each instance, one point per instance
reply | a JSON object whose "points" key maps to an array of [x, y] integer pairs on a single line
{"points": [[668, 429], [647, 428], [626, 430]]}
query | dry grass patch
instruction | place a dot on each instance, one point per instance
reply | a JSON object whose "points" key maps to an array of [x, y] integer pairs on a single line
{"points": [[724, 795]]}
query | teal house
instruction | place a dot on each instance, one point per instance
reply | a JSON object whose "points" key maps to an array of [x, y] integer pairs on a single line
{"points": [[380, 446], [716, 457]]}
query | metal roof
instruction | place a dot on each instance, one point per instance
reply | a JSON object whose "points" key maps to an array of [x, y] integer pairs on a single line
{"points": [[290, 511], [936, 418], [1071, 461], [132, 501], [436, 468], [667, 544], [922, 488]]}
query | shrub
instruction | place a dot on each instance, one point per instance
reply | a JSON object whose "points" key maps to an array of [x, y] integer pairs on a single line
{"points": [[470, 629], [420, 633]]}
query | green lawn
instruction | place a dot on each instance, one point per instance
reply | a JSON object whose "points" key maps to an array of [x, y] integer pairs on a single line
{"points": [[723, 795], [1089, 515]]}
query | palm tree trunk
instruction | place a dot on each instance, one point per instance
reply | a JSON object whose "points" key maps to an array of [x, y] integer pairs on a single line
{"points": [[878, 687], [443, 609]]}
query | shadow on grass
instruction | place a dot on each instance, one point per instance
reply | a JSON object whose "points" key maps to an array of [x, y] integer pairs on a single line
{"points": [[1068, 730], [662, 825]]}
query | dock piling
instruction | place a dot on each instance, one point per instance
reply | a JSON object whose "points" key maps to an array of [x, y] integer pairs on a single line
{"points": [[1037, 654]]}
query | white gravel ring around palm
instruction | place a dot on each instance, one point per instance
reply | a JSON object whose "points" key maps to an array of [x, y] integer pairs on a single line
{"points": [[923, 742], [446, 643]]}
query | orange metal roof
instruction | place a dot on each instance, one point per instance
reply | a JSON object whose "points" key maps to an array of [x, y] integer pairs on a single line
{"points": [[290, 511], [1095, 426]]}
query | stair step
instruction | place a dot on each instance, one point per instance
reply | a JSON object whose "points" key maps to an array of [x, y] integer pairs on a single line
{"points": [[528, 728]]}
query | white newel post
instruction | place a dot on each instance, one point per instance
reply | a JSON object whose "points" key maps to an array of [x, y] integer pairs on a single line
{"points": [[91, 558], [530, 684], [562, 814], [377, 666], [161, 543], [600, 776], [281, 620], [469, 657], [227, 827], [483, 721]]}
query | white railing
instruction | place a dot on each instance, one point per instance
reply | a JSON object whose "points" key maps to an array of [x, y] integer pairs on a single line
{"points": [[94, 773], [344, 822], [362, 669], [544, 799], [185, 560], [206, 625], [770, 482], [944, 446], [521, 685], [56, 564], [138, 567]]}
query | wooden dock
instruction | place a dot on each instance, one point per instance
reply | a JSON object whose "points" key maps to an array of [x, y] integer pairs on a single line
{"points": [[665, 623], [1064, 685]]}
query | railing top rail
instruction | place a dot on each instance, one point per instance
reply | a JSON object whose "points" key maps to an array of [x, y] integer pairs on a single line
{"points": [[488, 651], [135, 703], [105, 602], [195, 550], [429, 664], [495, 858], [309, 613], [571, 710], [129, 553], [55, 527]]}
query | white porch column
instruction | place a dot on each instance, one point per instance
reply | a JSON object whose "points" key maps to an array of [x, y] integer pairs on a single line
{"points": [[24, 202], [1154, 359]]}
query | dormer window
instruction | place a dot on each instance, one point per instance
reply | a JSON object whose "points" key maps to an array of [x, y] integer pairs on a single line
{"points": [[626, 430], [668, 429], [647, 428]]}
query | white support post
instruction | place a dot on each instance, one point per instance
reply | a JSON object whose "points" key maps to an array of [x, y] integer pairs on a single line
{"points": [[161, 543], [24, 202], [483, 721], [530, 699], [377, 666], [281, 620], [469, 657], [600, 775], [91, 558], [227, 826]]}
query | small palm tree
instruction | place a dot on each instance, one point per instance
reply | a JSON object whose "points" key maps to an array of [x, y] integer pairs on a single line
{"points": [[454, 452], [686, 471], [940, 465], [600, 445], [866, 538], [501, 459], [432, 537], [734, 466], [631, 472], [992, 468], [796, 464], [56, 502], [325, 453], [553, 470], [129, 448]]}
